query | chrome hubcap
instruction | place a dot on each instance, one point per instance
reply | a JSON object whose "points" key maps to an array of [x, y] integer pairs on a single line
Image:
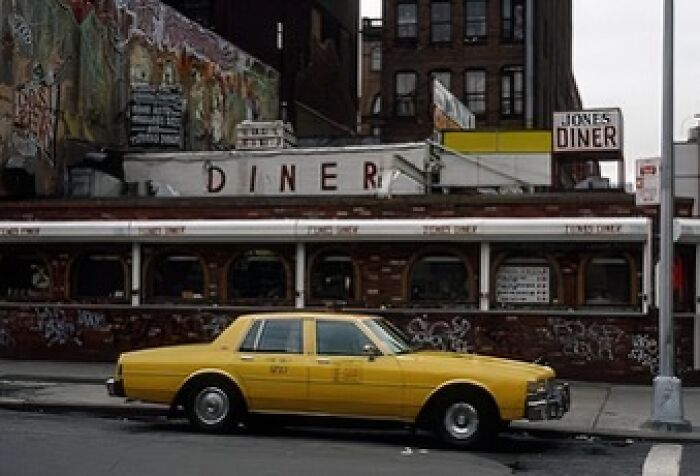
{"points": [[461, 420], [211, 405]]}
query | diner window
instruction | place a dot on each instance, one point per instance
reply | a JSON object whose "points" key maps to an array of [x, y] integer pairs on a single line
{"points": [[98, 275], [475, 21], [525, 281], [512, 91], [24, 276], [333, 277], [178, 276], [441, 279], [608, 281], [405, 87], [407, 20], [339, 338], [475, 91], [440, 21], [274, 336], [513, 18], [257, 274], [375, 59]]}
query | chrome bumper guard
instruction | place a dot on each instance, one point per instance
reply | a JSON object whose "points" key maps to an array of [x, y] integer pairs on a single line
{"points": [[549, 405], [115, 388]]}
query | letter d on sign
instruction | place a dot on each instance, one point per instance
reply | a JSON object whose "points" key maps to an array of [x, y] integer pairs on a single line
{"points": [[216, 179]]}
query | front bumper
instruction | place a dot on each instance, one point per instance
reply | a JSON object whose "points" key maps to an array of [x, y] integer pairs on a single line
{"points": [[115, 388], [549, 405]]}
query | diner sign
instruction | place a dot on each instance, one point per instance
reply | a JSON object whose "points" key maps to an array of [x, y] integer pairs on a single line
{"points": [[591, 130]]}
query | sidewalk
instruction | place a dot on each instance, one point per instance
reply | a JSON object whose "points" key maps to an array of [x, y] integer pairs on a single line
{"points": [[598, 409]]}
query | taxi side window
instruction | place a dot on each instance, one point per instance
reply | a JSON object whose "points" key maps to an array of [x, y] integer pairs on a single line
{"points": [[279, 336], [339, 338]]}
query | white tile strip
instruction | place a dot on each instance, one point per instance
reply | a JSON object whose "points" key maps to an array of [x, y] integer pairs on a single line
{"points": [[663, 460]]}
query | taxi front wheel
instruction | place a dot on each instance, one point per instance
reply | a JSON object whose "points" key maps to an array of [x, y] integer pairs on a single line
{"points": [[213, 407], [465, 421]]}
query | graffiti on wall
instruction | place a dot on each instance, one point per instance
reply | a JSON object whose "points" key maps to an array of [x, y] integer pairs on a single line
{"points": [[588, 341], [645, 350], [70, 70], [441, 334]]}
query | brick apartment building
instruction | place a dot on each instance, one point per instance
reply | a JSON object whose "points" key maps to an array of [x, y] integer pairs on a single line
{"points": [[509, 61]]}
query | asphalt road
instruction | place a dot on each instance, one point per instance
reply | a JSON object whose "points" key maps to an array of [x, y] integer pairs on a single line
{"points": [[76, 444]]}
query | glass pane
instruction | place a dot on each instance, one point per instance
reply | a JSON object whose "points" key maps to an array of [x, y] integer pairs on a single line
{"points": [[333, 277], [24, 276], [441, 33], [406, 20], [257, 274], [389, 334], [98, 276], [608, 281], [440, 278], [339, 338], [475, 18], [178, 276], [281, 336], [476, 81], [248, 344], [445, 77], [405, 83], [376, 59], [440, 12]]}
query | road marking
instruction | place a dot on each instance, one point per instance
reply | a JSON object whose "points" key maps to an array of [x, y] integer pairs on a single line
{"points": [[663, 460]]}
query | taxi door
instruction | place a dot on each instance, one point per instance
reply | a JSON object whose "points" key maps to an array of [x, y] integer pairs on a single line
{"points": [[343, 381], [273, 367]]}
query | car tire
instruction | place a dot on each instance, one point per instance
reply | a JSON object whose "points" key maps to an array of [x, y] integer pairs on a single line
{"points": [[465, 420], [213, 407]]}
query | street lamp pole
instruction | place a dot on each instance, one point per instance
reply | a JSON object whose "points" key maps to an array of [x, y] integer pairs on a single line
{"points": [[667, 410]]}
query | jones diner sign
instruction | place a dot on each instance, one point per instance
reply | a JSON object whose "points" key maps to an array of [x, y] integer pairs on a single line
{"points": [[591, 130]]}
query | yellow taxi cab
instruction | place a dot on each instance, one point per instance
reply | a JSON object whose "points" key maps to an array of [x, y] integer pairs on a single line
{"points": [[338, 365]]}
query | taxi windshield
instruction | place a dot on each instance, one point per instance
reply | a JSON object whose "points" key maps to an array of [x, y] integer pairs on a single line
{"points": [[390, 335]]}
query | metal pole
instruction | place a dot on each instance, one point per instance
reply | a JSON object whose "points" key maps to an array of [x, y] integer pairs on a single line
{"points": [[667, 411]]}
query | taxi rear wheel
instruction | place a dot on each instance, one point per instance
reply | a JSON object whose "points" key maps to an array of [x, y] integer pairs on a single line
{"points": [[213, 407], [465, 421]]}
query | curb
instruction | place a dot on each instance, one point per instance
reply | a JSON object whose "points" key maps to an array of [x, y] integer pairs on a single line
{"points": [[53, 379], [122, 411], [613, 433]]}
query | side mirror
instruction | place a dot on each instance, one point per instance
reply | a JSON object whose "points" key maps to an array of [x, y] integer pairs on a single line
{"points": [[371, 352]]}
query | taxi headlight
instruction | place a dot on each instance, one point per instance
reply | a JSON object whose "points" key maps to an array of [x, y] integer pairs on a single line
{"points": [[535, 387]]}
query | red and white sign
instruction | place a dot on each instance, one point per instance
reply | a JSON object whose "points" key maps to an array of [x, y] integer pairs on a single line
{"points": [[648, 183]]}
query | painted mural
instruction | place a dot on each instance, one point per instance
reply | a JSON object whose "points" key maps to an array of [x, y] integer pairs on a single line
{"points": [[80, 72]]}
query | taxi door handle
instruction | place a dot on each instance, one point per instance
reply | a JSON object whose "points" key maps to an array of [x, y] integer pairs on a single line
{"points": [[247, 358], [323, 360]]}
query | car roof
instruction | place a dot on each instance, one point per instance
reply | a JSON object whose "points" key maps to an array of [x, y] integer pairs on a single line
{"points": [[315, 314]]}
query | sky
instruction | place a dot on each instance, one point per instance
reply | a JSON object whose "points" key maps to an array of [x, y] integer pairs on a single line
{"points": [[617, 63]]}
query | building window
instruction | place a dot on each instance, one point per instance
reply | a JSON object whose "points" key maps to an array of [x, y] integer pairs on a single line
{"points": [[274, 336], [98, 275], [475, 91], [608, 281], [512, 91], [440, 21], [407, 20], [441, 279], [257, 274], [525, 281], [445, 77], [333, 277], [339, 338], [513, 16], [179, 276], [405, 87], [474, 21], [377, 104], [24, 276], [375, 59]]}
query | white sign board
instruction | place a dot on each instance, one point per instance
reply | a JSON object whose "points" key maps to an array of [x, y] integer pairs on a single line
{"points": [[287, 172], [583, 131], [648, 182], [522, 284]]}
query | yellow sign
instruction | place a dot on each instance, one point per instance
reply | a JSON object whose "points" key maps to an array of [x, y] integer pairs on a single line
{"points": [[499, 142]]}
